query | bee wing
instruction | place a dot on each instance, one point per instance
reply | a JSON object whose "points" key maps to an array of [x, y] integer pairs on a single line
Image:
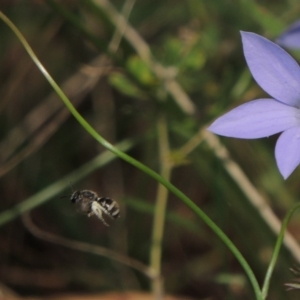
{"points": [[98, 210]]}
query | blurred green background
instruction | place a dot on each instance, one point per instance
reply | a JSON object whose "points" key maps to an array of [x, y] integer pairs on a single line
{"points": [[123, 93]]}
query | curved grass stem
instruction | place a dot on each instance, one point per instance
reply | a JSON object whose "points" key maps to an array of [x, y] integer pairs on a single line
{"points": [[136, 163]]}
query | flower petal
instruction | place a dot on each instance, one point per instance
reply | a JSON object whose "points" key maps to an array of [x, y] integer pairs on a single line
{"points": [[256, 119], [287, 151], [272, 68], [291, 37]]}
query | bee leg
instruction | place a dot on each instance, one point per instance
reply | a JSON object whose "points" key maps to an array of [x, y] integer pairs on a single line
{"points": [[97, 210], [109, 207]]}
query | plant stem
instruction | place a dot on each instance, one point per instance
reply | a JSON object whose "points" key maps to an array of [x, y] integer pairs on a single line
{"points": [[160, 210], [275, 254]]}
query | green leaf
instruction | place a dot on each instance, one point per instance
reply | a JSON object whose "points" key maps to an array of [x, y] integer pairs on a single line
{"points": [[141, 71], [125, 86]]}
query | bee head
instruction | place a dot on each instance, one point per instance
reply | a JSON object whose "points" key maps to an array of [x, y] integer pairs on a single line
{"points": [[75, 196]]}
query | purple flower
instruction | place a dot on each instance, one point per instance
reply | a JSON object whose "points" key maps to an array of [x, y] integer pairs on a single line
{"points": [[291, 37], [279, 75]]}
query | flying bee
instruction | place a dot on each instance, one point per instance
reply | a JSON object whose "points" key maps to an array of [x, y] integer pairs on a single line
{"points": [[89, 203]]}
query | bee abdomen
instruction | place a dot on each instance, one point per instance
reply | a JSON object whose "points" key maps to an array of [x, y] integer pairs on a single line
{"points": [[111, 206]]}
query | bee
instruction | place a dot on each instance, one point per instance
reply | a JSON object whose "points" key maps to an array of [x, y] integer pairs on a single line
{"points": [[90, 204]]}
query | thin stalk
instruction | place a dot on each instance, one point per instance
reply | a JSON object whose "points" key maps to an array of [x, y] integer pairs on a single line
{"points": [[55, 188], [160, 209], [86, 247], [136, 163], [275, 254]]}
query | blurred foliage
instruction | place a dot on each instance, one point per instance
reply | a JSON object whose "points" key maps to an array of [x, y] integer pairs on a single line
{"points": [[198, 43]]}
